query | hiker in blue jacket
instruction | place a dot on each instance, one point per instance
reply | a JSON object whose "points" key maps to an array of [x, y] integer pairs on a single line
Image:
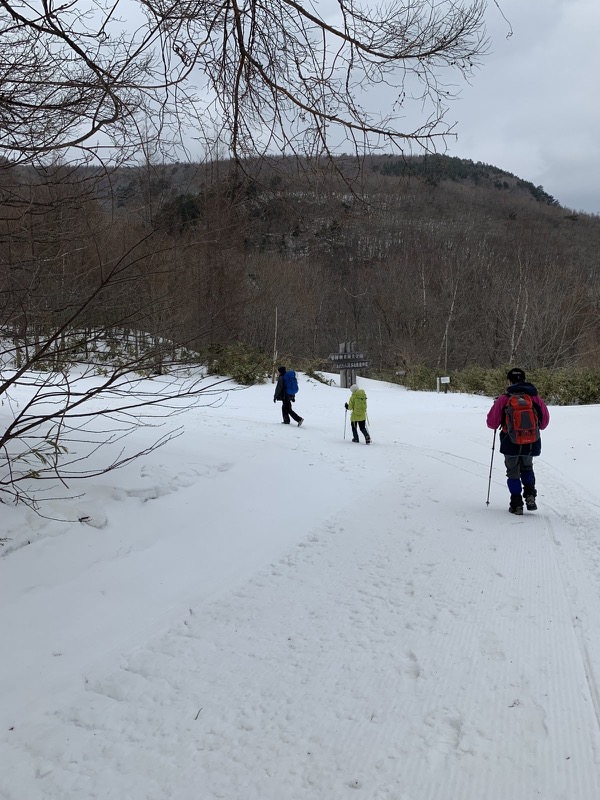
{"points": [[285, 390]]}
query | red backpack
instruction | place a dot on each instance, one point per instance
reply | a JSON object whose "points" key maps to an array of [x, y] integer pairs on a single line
{"points": [[521, 421]]}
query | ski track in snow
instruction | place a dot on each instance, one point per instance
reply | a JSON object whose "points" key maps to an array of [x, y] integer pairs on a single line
{"points": [[383, 657], [373, 723]]}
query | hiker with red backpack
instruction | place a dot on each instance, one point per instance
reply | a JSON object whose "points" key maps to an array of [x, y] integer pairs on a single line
{"points": [[520, 414], [286, 390]]}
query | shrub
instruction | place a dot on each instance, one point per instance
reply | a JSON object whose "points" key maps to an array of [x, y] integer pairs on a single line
{"points": [[246, 365], [312, 368], [472, 380], [573, 386], [420, 378]]}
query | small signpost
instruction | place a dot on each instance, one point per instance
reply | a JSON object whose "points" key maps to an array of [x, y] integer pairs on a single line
{"points": [[443, 382], [347, 361]]}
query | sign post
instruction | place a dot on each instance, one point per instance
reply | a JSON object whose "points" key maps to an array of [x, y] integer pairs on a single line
{"points": [[347, 361]]}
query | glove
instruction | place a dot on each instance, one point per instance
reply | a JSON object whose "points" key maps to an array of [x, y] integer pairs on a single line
{"points": [[274, 400], [293, 399], [346, 406]]}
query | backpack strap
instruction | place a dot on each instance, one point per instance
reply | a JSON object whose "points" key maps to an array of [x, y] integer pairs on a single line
{"points": [[504, 407]]}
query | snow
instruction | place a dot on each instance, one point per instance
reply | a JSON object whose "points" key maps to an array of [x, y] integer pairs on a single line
{"points": [[269, 612]]}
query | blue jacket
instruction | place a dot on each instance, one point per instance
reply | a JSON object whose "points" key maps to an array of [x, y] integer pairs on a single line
{"points": [[284, 382]]}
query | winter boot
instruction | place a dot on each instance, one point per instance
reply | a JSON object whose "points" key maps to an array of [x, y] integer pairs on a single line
{"points": [[529, 495], [516, 504], [367, 440]]}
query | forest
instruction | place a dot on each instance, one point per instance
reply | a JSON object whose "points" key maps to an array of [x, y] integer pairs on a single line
{"points": [[432, 261], [201, 187]]}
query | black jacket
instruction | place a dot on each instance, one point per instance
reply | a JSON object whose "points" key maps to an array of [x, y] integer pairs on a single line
{"points": [[280, 392]]}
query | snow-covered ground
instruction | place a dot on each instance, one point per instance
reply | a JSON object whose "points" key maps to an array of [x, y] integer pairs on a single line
{"points": [[266, 612]]}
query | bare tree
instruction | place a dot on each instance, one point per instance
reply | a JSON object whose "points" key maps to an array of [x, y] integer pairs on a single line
{"points": [[124, 81], [257, 75], [74, 281], [62, 417]]}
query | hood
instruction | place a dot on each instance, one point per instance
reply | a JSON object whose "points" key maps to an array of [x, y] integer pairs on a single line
{"points": [[522, 388]]}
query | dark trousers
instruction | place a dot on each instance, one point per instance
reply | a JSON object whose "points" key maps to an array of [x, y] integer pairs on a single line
{"points": [[287, 411], [363, 426], [519, 474]]}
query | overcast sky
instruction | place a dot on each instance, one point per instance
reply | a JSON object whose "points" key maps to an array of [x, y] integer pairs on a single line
{"points": [[533, 108]]}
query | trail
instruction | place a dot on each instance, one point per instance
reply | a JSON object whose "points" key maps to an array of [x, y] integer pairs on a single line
{"points": [[325, 621], [388, 655]]}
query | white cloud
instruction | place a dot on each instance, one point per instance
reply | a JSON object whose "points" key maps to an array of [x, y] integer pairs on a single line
{"points": [[533, 107]]}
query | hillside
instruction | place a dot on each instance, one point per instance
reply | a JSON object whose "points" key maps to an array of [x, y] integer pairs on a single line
{"points": [[435, 170], [430, 260]]}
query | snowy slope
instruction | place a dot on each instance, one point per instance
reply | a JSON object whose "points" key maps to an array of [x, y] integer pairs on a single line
{"points": [[267, 612]]}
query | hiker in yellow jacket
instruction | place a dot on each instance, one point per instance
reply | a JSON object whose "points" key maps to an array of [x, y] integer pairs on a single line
{"points": [[358, 406]]}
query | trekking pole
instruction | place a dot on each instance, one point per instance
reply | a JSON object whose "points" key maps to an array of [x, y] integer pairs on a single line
{"points": [[487, 502], [345, 419]]}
